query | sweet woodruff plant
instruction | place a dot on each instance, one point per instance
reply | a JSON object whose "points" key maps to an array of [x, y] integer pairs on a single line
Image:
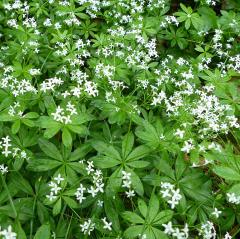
{"points": [[119, 119]]}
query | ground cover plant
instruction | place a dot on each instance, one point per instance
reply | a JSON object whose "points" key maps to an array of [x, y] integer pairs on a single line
{"points": [[119, 119]]}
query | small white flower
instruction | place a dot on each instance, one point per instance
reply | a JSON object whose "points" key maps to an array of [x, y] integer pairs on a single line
{"points": [[107, 225], [59, 178], [216, 212]]}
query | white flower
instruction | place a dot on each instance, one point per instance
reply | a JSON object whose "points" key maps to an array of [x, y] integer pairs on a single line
{"points": [[51, 196], [8, 233], [87, 227], [168, 229], [100, 203], [227, 236], [216, 212], [188, 146], [59, 178], [3, 169], [179, 133], [92, 191], [130, 193], [107, 225], [168, 191]]}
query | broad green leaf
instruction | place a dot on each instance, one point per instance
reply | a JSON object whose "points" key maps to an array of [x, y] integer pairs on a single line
{"points": [[138, 164], [16, 126], [132, 217], [66, 137], [163, 217], [107, 150], [138, 153], [111, 212], [78, 129], [80, 152], [21, 183], [49, 149], [153, 207], [43, 232], [127, 144], [227, 173], [133, 231], [41, 165], [57, 207], [136, 182], [104, 162], [142, 206]]}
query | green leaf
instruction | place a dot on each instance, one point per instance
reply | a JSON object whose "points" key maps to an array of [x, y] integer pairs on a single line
{"points": [[43, 232], [114, 182], [66, 137], [142, 206], [133, 231], [153, 207], [105, 149], [49, 149], [227, 173], [163, 217], [127, 144], [132, 217], [70, 202], [21, 183], [80, 152], [50, 132], [78, 129], [138, 164], [136, 182], [19, 231], [111, 212], [57, 207], [31, 115], [180, 166], [41, 165], [28, 122], [138, 153], [104, 161], [159, 234], [47, 122], [16, 126], [235, 189]]}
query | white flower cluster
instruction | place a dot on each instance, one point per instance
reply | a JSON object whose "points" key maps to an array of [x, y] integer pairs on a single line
{"points": [[233, 198], [5, 144], [7, 149], [98, 184], [55, 187], [8, 233], [169, 192], [50, 84], [176, 232], [87, 227], [127, 183], [3, 169], [15, 109], [235, 63], [188, 146], [16, 87], [64, 116], [102, 70], [208, 111], [211, 2], [207, 230]]}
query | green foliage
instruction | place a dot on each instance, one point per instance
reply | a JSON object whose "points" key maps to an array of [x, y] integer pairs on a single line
{"points": [[119, 119]]}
